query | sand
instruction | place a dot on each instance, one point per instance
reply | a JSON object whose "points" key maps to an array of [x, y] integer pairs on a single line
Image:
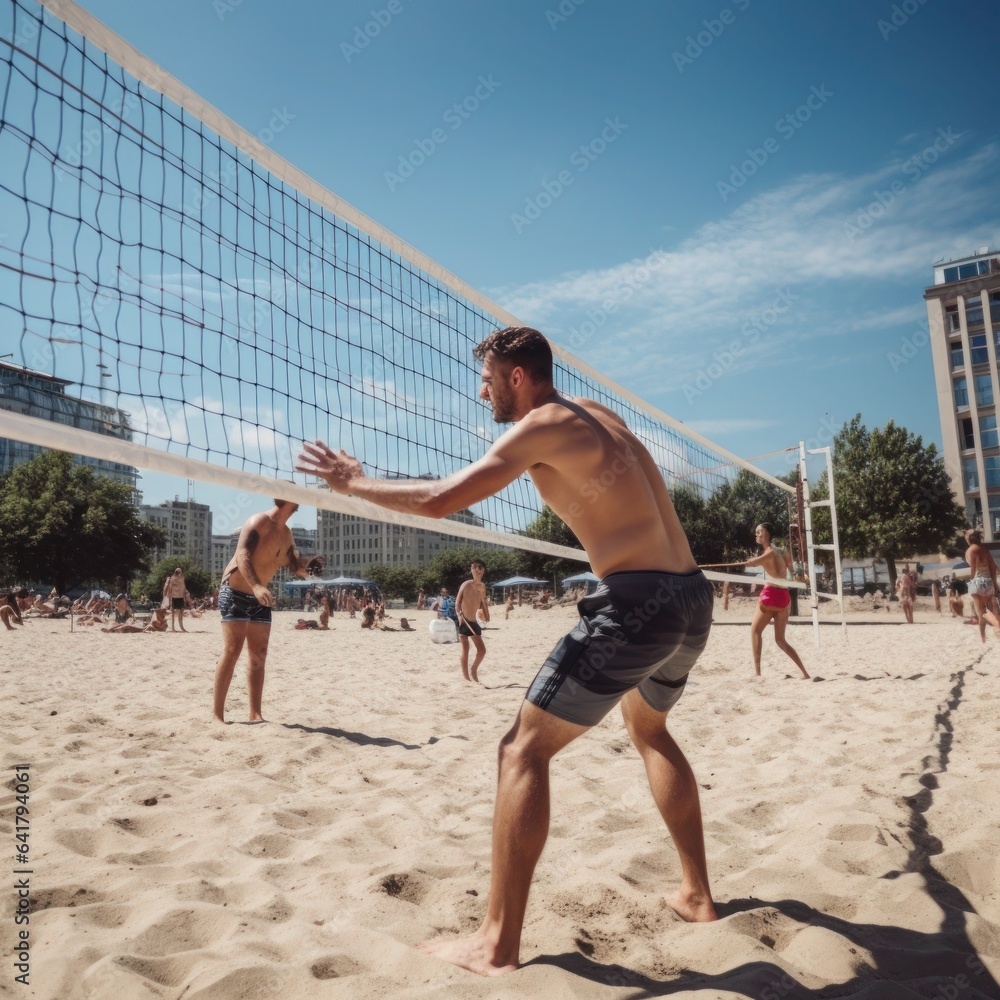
{"points": [[851, 821]]}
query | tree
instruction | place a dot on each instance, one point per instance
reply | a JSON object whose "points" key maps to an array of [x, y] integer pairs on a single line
{"points": [[61, 521], [398, 581], [735, 509], [893, 493], [197, 580], [450, 567]]}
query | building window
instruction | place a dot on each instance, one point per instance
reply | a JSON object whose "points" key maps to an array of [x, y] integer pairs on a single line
{"points": [[957, 358], [951, 323], [991, 464], [978, 354], [961, 389], [968, 441], [988, 432], [974, 312], [984, 390], [970, 475]]}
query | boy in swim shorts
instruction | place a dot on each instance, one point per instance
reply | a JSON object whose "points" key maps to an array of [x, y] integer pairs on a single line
{"points": [[470, 601]]}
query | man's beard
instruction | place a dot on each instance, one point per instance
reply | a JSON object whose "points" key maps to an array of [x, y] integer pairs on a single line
{"points": [[503, 408]]}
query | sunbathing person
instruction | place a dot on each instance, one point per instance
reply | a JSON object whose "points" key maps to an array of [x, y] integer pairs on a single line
{"points": [[368, 616], [10, 611], [158, 623]]}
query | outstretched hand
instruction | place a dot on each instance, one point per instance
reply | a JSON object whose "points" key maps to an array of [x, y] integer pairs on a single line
{"points": [[337, 468]]}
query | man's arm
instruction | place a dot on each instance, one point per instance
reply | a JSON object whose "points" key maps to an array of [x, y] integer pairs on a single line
{"points": [[296, 564], [524, 445], [460, 600], [484, 606]]}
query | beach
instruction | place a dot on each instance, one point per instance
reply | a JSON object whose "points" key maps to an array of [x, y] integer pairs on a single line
{"points": [[852, 821]]}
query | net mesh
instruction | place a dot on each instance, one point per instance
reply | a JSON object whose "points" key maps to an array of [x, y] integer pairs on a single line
{"points": [[159, 284]]}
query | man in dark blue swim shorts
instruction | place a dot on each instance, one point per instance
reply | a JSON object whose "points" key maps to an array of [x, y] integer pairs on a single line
{"points": [[638, 637], [245, 602], [640, 631]]}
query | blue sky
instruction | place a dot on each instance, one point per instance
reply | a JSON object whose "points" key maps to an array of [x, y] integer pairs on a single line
{"points": [[730, 208]]}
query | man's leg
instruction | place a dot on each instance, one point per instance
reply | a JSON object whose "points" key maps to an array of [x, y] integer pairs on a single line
{"points": [[520, 828], [258, 634], [477, 641], [979, 603], [464, 654], [233, 636], [180, 619], [757, 626], [780, 621], [675, 792]]}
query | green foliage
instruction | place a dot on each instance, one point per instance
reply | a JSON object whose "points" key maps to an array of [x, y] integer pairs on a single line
{"points": [[398, 581], [450, 567], [893, 494], [62, 522], [198, 580], [721, 528]]}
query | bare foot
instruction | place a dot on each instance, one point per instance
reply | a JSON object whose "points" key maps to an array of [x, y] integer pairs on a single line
{"points": [[219, 718], [257, 718], [695, 909], [472, 953]]}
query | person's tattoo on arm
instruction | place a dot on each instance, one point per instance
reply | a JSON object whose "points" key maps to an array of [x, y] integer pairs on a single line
{"points": [[245, 561]]}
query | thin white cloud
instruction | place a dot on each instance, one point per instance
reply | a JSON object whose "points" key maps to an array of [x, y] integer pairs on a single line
{"points": [[833, 243]]}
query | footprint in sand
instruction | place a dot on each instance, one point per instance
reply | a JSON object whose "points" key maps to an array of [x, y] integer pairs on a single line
{"points": [[336, 967]]}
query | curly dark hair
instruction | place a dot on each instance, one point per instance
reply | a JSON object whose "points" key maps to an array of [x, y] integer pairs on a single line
{"points": [[519, 346]]}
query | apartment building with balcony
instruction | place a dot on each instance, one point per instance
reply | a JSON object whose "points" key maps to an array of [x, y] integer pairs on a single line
{"points": [[963, 313]]}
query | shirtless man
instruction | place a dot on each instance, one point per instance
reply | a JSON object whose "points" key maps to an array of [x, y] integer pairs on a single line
{"points": [[983, 583], [775, 601], [265, 544], [906, 588], [174, 594], [472, 599], [639, 634]]}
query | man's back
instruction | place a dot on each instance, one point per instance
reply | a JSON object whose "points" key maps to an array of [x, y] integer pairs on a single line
{"points": [[980, 560], [600, 479]]}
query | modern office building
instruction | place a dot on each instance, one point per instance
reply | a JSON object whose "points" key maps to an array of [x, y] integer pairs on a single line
{"points": [[188, 526], [351, 543], [36, 394], [963, 312]]}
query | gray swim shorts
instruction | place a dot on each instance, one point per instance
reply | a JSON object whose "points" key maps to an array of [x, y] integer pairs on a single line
{"points": [[981, 586], [637, 630]]}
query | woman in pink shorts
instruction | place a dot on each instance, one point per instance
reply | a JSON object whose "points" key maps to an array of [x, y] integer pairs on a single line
{"points": [[774, 602]]}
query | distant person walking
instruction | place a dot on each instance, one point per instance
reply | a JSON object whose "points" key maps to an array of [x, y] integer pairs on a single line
{"points": [[175, 594], [983, 582], [906, 589]]}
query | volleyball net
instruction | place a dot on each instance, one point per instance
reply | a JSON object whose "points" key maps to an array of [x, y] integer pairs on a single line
{"points": [[174, 296]]}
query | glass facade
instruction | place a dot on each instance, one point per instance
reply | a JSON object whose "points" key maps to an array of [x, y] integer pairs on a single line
{"points": [[988, 432], [984, 390]]}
